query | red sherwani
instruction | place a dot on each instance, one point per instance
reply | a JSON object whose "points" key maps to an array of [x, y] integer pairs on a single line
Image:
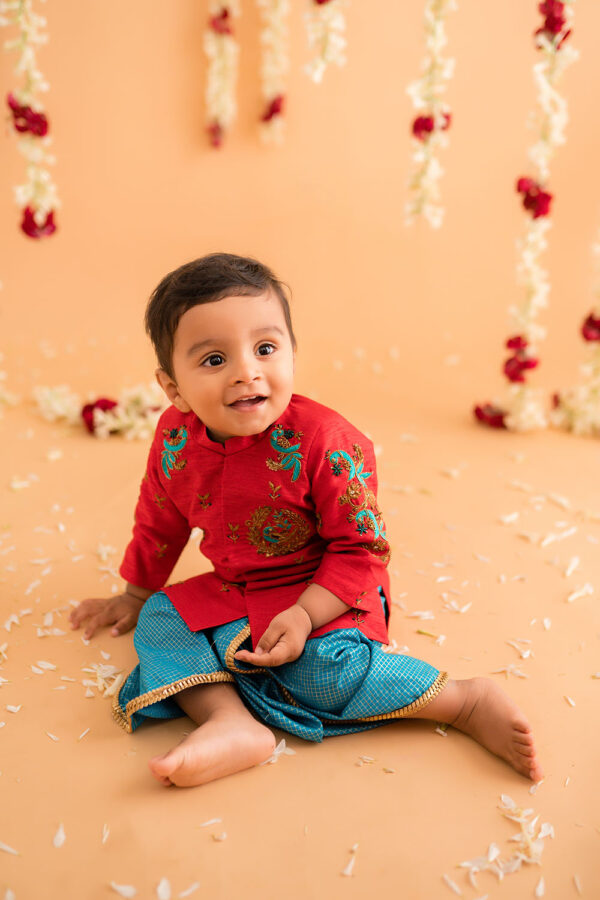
{"points": [[293, 505]]}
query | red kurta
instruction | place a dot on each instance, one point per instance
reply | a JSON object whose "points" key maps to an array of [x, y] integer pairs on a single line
{"points": [[292, 505]]}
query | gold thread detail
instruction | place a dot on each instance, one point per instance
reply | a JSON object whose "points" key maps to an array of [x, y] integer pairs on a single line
{"points": [[234, 647], [123, 717]]}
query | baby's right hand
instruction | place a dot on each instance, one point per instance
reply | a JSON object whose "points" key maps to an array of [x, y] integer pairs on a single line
{"points": [[121, 611]]}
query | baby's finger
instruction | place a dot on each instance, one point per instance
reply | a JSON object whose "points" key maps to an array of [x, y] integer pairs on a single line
{"points": [[124, 625]]}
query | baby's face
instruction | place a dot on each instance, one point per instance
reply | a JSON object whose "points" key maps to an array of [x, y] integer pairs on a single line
{"points": [[233, 362]]}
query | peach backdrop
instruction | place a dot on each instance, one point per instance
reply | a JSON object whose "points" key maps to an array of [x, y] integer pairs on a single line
{"points": [[143, 192]]}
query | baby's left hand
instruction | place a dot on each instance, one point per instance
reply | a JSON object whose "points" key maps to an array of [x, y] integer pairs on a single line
{"points": [[283, 641]]}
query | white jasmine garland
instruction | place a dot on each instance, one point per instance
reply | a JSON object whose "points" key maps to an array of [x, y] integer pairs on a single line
{"points": [[427, 96], [55, 403], [222, 51], [275, 62], [325, 29], [39, 191]]}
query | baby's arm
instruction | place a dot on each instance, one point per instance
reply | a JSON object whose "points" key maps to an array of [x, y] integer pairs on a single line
{"points": [[122, 611]]}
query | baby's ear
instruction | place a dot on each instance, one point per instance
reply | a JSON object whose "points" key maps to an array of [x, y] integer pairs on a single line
{"points": [[169, 386]]}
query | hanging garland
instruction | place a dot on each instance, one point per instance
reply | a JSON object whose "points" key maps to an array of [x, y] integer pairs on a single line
{"points": [[274, 67], [433, 119], [525, 409], [578, 409], [135, 414], [325, 28], [222, 51], [38, 197]]}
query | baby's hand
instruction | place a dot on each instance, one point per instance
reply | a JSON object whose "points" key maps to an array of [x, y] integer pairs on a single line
{"points": [[283, 641], [122, 611]]}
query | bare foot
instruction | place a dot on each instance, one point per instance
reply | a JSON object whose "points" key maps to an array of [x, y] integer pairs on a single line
{"points": [[224, 744], [490, 716]]}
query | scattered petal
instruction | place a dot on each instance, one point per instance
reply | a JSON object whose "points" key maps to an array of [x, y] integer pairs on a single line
{"points": [[124, 890], [52, 736], [8, 849], [569, 700], [577, 884], [163, 890], [105, 833], [190, 890], [584, 591], [60, 836], [540, 888], [210, 822], [83, 734], [349, 868], [220, 837], [452, 885]]}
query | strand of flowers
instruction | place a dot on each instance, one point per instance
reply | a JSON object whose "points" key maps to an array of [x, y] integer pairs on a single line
{"points": [[222, 51], [38, 197], [525, 409], [135, 414], [7, 398], [577, 409], [433, 119], [274, 67], [325, 28]]}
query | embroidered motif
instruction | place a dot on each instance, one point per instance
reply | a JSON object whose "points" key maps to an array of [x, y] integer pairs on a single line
{"points": [[204, 501], [289, 455], [174, 442], [361, 500], [361, 597], [275, 489], [224, 587], [233, 529], [161, 549], [358, 617], [275, 532], [160, 501]]}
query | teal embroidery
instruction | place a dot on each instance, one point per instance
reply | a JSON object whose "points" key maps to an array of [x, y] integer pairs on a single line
{"points": [[362, 528], [289, 454], [174, 441], [354, 471]]}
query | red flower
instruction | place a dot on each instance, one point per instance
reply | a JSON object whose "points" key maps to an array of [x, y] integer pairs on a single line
{"points": [[591, 328], [517, 343], [515, 365], [490, 415], [536, 200], [216, 133], [424, 125], [87, 413], [221, 23], [275, 108], [32, 229], [26, 120], [321, 2], [555, 400]]}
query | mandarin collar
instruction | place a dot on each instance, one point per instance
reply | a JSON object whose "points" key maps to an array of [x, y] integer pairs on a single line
{"points": [[232, 444]]}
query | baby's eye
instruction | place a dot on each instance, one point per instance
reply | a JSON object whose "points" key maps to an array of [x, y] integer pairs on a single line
{"points": [[266, 349], [215, 359]]}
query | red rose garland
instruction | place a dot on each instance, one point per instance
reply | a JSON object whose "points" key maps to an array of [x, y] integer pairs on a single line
{"points": [[274, 67], [525, 411], [222, 51], [38, 197]]}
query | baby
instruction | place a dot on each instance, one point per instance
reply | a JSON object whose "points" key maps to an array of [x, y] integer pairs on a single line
{"points": [[287, 629]]}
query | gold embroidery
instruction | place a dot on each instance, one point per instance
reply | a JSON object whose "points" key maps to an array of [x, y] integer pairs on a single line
{"points": [[233, 536], [361, 500], [160, 501], [275, 532], [224, 586], [275, 489], [204, 500], [161, 549], [289, 454], [416, 706], [123, 716], [234, 646]]}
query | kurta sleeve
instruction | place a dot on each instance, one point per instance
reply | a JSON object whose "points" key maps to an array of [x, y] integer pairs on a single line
{"points": [[341, 466], [160, 532]]}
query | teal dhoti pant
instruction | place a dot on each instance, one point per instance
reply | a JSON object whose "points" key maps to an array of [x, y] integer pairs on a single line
{"points": [[343, 682]]}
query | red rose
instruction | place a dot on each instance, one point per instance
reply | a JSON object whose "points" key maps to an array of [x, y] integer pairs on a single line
{"points": [[422, 127], [515, 366], [535, 200], [216, 134], [555, 400], [275, 108], [221, 23], [591, 328], [517, 343], [26, 120], [32, 229], [490, 415], [87, 413]]}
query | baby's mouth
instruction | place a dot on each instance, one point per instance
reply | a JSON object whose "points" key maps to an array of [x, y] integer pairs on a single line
{"points": [[251, 402]]}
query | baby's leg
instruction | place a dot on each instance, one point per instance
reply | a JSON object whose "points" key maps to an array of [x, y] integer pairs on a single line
{"points": [[228, 739], [481, 709]]}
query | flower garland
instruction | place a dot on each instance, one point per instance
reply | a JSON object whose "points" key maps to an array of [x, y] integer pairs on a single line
{"points": [[325, 28], [7, 398], [38, 197], [578, 409], [434, 117], [525, 410], [222, 51], [135, 414], [274, 67]]}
